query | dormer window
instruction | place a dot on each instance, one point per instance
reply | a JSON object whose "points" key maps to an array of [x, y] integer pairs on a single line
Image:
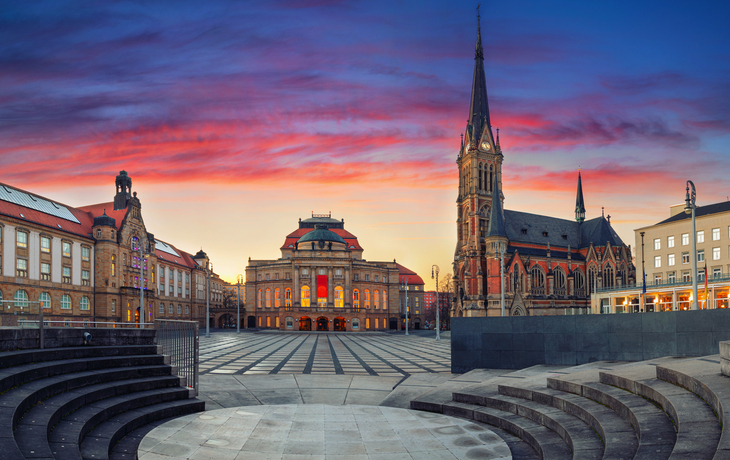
{"points": [[524, 231], [544, 233], [565, 237]]}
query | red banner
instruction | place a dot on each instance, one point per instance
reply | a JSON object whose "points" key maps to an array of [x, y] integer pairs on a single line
{"points": [[322, 286]]}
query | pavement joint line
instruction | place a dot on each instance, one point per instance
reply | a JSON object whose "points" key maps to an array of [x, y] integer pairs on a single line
{"points": [[287, 358], [310, 361], [408, 360], [418, 352], [246, 345], [255, 363], [393, 366], [335, 360], [358, 358]]}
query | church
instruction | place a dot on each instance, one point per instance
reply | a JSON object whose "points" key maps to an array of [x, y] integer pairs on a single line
{"points": [[517, 263]]}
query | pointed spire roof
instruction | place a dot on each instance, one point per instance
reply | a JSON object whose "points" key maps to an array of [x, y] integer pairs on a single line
{"points": [[496, 225], [580, 209], [479, 107]]}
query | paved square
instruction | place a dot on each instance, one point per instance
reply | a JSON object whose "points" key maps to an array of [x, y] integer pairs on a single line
{"points": [[374, 354]]}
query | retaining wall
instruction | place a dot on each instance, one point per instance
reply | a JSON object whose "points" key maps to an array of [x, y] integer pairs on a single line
{"points": [[517, 342], [25, 338]]}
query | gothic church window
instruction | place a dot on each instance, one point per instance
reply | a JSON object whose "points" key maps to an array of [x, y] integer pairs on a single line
{"points": [[608, 278], [538, 277], [559, 278], [579, 279]]}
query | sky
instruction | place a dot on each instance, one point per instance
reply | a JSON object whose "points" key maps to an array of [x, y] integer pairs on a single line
{"points": [[235, 119]]}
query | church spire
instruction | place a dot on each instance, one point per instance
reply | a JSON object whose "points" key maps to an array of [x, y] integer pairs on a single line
{"points": [[481, 128], [496, 225], [580, 208]]}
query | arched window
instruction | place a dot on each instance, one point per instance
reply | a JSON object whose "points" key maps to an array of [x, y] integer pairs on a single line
{"points": [[339, 296], [480, 176], [65, 302], [44, 298], [161, 310], [277, 297], [367, 298], [287, 297], [376, 299], [559, 278], [268, 298], [355, 298], [305, 296], [179, 309], [608, 278], [579, 280], [538, 277], [84, 304], [114, 265], [259, 299], [21, 298], [385, 300], [171, 309]]}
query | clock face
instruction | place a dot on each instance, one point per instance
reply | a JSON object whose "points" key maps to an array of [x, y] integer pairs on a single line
{"points": [[485, 145]]}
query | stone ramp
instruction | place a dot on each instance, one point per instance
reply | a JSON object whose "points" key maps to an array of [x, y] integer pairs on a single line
{"points": [[666, 408]]}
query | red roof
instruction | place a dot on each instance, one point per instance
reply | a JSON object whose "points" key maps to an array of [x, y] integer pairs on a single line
{"points": [[185, 259], [96, 210], [293, 237], [404, 273]]}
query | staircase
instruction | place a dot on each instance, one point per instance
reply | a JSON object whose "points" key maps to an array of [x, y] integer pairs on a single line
{"points": [[666, 408], [78, 402]]}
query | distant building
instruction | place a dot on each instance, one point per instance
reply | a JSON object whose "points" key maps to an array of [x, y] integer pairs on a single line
{"points": [[84, 264], [551, 265], [664, 253], [321, 282]]}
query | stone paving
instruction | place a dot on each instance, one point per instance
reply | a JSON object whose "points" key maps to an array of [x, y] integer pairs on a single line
{"points": [[321, 432], [375, 354]]}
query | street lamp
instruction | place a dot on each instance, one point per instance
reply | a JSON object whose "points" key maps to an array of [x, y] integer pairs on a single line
{"points": [[238, 304], [208, 269], [689, 208], [435, 270], [405, 287]]}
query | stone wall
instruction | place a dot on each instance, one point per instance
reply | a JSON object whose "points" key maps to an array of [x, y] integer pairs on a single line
{"points": [[517, 342], [23, 338]]}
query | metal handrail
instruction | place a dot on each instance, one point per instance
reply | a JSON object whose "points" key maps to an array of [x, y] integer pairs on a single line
{"points": [[181, 341], [653, 284]]}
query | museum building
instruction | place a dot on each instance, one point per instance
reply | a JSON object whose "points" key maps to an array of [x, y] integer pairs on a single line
{"points": [[87, 265], [540, 265], [321, 282]]}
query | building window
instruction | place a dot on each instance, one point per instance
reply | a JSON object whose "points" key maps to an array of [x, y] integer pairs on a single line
{"points": [[657, 261], [338, 272], [715, 234], [305, 271], [701, 276], [685, 239], [685, 257], [161, 310], [21, 298], [66, 249], [45, 299], [114, 305], [355, 324], [287, 297], [717, 273], [268, 298], [415, 305], [356, 277], [171, 274], [339, 296], [84, 304], [21, 268], [179, 291], [305, 296], [670, 241], [45, 271], [322, 271], [701, 236], [170, 309], [45, 244], [355, 299], [385, 300], [559, 279], [179, 309], [367, 298], [657, 244], [260, 277], [715, 253], [21, 239], [686, 276], [277, 296], [187, 309], [670, 277], [367, 277], [114, 265], [65, 302], [277, 276], [657, 279], [85, 281], [85, 253], [701, 255], [376, 299]]}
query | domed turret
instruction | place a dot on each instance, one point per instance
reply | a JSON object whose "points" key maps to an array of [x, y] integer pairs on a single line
{"points": [[105, 221], [322, 236]]}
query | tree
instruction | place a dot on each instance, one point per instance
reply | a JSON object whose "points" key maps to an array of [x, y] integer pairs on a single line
{"points": [[446, 293]]}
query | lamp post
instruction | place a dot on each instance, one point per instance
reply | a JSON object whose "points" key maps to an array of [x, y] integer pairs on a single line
{"points": [[435, 269], [405, 287], [238, 304], [208, 269], [689, 208]]}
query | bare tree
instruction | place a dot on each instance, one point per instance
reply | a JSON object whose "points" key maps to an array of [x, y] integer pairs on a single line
{"points": [[446, 293]]}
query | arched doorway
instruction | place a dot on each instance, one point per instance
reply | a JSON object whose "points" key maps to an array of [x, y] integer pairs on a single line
{"points": [[393, 324], [323, 324], [305, 323], [136, 316], [226, 321], [340, 324], [251, 322]]}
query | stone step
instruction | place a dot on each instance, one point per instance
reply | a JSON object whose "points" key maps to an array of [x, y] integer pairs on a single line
{"points": [[619, 438], [20, 357], [580, 437], [548, 444], [655, 430], [702, 377], [698, 429]]}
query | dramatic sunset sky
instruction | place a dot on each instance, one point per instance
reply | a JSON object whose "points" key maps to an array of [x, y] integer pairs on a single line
{"points": [[235, 118]]}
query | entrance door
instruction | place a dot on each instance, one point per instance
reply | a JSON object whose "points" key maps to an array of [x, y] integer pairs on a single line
{"points": [[251, 322], [323, 324], [393, 323], [305, 323], [340, 324], [417, 324]]}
